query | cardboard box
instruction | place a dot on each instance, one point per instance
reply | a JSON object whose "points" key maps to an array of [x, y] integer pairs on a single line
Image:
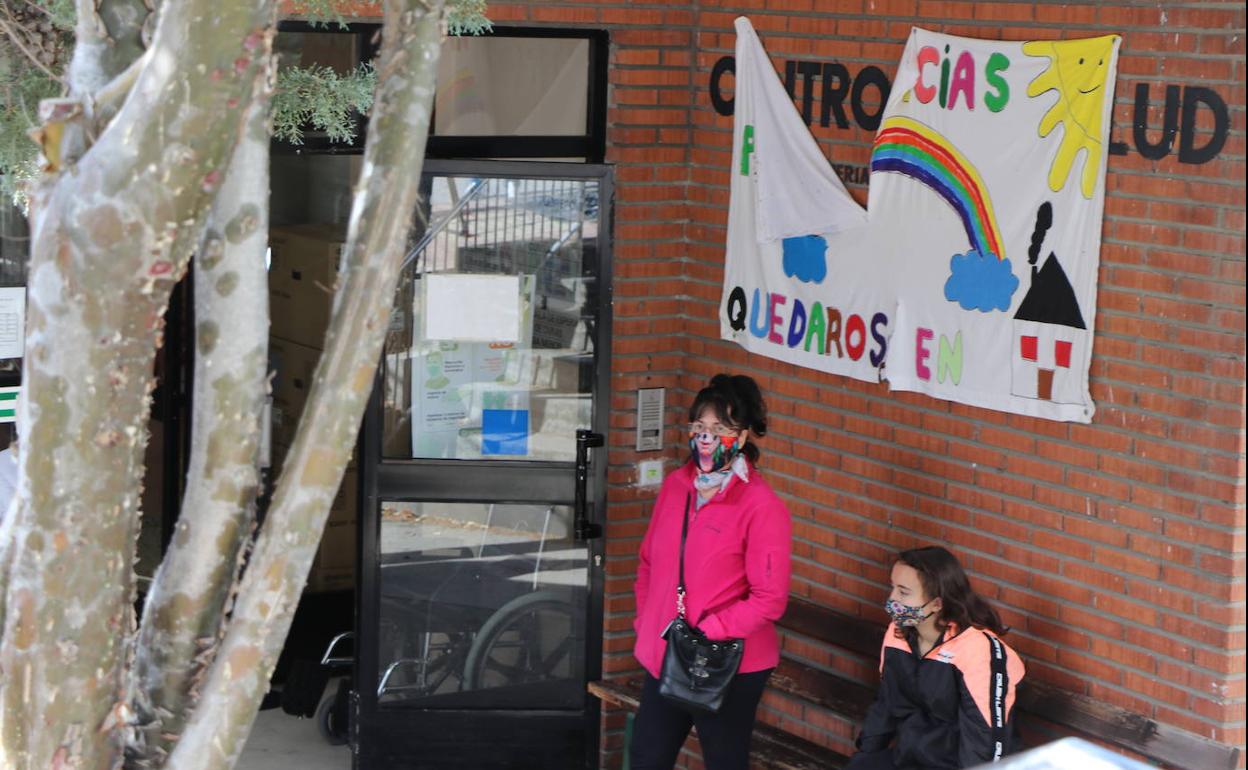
{"points": [[326, 578], [292, 365], [303, 273]]}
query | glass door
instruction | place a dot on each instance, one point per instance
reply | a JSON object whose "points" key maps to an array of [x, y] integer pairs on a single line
{"points": [[481, 570]]}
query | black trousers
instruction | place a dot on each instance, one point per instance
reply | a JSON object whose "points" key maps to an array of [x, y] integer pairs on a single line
{"points": [[875, 760], [661, 727]]}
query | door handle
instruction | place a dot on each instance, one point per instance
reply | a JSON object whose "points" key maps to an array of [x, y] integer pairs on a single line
{"points": [[582, 528]]}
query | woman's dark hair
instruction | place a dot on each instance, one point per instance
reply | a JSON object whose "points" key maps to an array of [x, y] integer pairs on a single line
{"points": [[942, 577], [738, 403]]}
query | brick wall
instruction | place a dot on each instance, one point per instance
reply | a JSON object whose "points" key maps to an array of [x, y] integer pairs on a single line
{"points": [[1116, 550]]}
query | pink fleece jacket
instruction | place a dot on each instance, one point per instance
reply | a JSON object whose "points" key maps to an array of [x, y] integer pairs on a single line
{"points": [[736, 568]]}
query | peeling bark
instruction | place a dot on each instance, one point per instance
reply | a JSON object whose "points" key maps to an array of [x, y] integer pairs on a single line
{"points": [[109, 241], [380, 221], [189, 595]]}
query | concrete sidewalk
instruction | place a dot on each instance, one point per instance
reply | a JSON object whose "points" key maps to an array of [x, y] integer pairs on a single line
{"points": [[280, 741]]}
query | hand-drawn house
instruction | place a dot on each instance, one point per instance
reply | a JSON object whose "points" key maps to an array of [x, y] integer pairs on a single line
{"points": [[1050, 339]]}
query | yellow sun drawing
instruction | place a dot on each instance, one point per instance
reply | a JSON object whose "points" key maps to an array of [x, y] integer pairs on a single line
{"points": [[1078, 71]]}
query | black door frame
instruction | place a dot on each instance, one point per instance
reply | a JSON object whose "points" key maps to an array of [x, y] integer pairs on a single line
{"points": [[431, 480]]}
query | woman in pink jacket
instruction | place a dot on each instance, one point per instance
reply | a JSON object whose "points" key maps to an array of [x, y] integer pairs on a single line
{"points": [[736, 576]]}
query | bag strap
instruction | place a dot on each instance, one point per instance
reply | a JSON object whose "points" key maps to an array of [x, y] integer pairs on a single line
{"points": [[680, 586]]}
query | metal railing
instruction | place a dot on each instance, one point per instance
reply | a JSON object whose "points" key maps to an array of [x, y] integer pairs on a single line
{"points": [[421, 246], [508, 226]]}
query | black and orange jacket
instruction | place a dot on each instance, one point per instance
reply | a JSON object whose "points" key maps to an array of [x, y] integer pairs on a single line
{"points": [[951, 708]]}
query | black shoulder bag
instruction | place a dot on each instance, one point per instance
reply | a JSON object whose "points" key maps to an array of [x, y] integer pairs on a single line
{"points": [[696, 671]]}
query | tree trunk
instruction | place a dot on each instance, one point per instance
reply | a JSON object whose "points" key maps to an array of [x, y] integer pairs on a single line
{"points": [[110, 238], [381, 219], [107, 39], [380, 225], [113, 226], [186, 604]]}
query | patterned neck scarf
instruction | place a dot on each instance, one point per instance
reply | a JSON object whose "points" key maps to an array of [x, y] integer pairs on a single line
{"points": [[711, 484]]}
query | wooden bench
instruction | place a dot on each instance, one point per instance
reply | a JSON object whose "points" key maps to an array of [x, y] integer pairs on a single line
{"points": [[772, 748], [775, 749]]}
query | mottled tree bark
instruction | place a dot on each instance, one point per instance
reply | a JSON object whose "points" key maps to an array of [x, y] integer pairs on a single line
{"points": [[107, 39], [114, 222], [111, 235], [381, 219], [190, 593]]}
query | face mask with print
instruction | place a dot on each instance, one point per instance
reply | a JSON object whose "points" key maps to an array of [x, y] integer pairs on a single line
{"points": [[904, 615], [725, 450]]}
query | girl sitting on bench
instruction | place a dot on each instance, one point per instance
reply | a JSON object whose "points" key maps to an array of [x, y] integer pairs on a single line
{"points": [[946, 696]]}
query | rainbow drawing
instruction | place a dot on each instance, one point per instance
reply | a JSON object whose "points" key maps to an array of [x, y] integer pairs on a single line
{"points": [[909, 147]]}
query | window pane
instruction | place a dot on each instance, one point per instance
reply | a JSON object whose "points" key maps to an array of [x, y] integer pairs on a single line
{"points": [[482, 605], [491, 352], [512, 86]]}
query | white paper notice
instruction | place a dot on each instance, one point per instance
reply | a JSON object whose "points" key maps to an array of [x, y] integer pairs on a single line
{"points": [[12, 321], [484, 308]]}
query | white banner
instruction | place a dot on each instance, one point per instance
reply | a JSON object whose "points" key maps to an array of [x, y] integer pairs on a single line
{"points": [[973, 277]]}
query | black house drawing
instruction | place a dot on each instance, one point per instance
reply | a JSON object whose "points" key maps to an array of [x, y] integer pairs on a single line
{"points": [[1050, 335]]}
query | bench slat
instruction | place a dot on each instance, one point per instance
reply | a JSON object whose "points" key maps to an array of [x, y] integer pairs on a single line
{"points": [[846, 698], [1127, 729], [774, 749], [832, 627], [624, 693]]}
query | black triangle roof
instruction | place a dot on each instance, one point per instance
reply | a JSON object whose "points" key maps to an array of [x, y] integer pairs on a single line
{"points": [[1050, 299]]}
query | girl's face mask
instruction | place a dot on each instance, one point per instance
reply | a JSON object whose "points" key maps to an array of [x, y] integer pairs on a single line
{"points": [[904, 615], [713, 450]]}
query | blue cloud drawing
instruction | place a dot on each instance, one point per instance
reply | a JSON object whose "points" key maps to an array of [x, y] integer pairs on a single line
{"points": [[979, 282], [805, 258]]}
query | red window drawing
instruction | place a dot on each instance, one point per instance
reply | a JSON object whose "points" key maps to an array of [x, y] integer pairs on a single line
{"points": [[1029, 347], [1061, 351]]}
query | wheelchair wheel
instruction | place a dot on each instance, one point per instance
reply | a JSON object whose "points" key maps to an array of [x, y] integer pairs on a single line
{"points": [[332, 717], [532, 638]]}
